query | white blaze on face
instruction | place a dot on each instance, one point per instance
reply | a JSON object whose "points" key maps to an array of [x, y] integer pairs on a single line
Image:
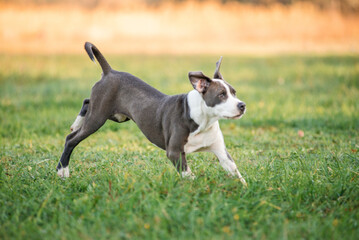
{"points": [[228, 108]]}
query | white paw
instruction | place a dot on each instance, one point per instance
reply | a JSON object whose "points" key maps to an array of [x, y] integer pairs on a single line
{"points": [[241, 178], [188, 174], [64, 172]]}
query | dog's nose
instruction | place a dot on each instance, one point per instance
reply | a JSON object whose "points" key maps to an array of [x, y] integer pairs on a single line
{"points": [[241, 106]]}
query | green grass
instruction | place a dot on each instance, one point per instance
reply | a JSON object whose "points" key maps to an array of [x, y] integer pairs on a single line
{"points": [[122, 187]]}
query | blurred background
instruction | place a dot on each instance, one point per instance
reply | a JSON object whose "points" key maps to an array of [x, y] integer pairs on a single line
{"points": [[180, 27]]}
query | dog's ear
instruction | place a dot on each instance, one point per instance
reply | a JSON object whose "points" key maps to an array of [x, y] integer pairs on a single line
{"points": [[217, 74], [199, 81]]}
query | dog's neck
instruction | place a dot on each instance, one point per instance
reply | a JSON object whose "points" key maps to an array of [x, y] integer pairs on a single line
{"points": [[200, 112]]}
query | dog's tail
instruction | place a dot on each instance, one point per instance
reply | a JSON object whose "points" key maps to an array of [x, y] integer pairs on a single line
{"points": [[91, 51]]}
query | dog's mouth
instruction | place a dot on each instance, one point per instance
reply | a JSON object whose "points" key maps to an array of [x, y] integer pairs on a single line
{"points": [[235, 117]]}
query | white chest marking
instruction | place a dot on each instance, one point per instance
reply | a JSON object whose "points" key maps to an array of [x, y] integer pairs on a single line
{"points": [[203, 140]]}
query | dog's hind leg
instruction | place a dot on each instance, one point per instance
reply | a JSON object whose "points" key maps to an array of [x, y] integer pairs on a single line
{"points": [[81, 117], [90, 125]]}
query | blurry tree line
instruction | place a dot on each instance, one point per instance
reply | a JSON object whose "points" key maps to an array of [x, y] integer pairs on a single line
{"points": [[345, 6], [342, 5]]}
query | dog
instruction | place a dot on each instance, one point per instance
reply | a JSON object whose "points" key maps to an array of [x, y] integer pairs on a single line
{"points": [[179, 124]]}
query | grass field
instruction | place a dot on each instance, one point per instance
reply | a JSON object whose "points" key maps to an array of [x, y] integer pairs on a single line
{"points": [[122, 187]]}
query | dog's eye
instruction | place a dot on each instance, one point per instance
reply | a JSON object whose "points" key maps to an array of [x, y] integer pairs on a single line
{"points": [[222, 95]]}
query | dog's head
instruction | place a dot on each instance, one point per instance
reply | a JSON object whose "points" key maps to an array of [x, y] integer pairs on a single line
{"points": [[219, 96]]}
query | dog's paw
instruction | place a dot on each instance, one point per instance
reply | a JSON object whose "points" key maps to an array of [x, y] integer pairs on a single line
{"points": [[63, 172], [188, 175], [243, 181]]}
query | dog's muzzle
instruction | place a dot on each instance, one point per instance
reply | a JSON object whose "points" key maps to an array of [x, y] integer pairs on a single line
{"points": [[242, 109]]}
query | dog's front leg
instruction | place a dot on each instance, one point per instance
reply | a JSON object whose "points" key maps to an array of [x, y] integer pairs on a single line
{"points": [[227, 162], [187, 173], [179, 161]]}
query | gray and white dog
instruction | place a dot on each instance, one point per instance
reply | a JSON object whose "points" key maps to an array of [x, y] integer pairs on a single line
{"points": [[179, 124]]}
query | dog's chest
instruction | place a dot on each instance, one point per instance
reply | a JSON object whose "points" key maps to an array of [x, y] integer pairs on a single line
{"points": [[202, 140]]}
